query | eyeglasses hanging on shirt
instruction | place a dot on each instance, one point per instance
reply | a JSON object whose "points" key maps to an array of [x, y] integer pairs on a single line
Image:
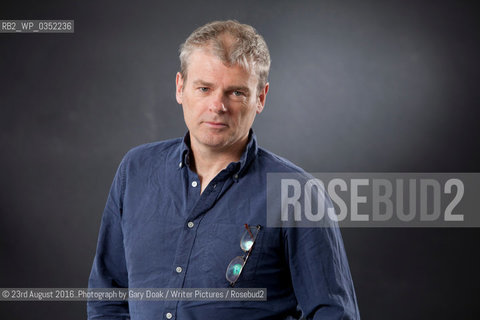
{"points": [[237, 264]]}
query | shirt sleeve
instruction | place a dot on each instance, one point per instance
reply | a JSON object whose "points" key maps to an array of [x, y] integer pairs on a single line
{"points": [[109, 267], [320, 273]]}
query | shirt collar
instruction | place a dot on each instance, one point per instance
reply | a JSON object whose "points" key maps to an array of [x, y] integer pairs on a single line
{"points": [[237, 168], [185, 150]]}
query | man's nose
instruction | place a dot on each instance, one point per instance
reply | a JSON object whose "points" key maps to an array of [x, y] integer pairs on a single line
{"points": [[217, 104]]}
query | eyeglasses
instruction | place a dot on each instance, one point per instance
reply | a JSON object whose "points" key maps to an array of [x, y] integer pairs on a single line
{"points": [[247, 241]]}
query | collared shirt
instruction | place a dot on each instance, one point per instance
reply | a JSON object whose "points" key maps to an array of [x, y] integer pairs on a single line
{"points": [[159, 231]]}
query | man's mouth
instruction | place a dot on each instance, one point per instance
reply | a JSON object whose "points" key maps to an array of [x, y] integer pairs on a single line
{"points": [[216, 125]]}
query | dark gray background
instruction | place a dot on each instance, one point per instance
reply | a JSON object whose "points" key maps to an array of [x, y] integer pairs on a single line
{"points": [[365, 86]]}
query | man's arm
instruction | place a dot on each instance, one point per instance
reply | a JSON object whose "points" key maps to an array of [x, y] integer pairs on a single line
{"points": [[109, 268], [320, 273]]}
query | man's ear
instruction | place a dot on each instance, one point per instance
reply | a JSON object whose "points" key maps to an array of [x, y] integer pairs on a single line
{"points": [[179, 90], [262, 98]]}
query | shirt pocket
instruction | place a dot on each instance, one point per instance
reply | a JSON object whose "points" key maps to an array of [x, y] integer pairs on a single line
{"points": [[223, 245]]}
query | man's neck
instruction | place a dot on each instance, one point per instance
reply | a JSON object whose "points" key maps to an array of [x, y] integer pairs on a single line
{"points": [[208, 162]]}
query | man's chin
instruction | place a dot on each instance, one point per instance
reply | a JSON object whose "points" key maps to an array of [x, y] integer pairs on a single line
{"points": [[213, 141]]}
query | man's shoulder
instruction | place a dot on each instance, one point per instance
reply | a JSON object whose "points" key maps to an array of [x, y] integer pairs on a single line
{"points": [[275, 163], [153, 150]]}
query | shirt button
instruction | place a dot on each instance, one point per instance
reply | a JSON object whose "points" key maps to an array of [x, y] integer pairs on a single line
{"points": [[169, 315], [194, 184], [190, 224], [180, 165], [236, 176], [178, 269]]}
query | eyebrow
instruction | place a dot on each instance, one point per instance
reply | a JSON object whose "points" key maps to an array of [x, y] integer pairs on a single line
{"points": [[202, 83]]}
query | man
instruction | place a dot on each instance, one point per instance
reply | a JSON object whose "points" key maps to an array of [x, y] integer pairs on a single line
{"points": [[178, 209]]}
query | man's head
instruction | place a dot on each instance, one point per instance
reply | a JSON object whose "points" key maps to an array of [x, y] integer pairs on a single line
{"points": [[233, 43], [222, 84]]}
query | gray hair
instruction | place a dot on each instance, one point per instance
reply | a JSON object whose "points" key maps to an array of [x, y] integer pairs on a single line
{"points": [[233, 43]]}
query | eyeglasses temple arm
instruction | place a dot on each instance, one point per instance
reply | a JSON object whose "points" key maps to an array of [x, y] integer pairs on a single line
{"points": [[248, 229]]}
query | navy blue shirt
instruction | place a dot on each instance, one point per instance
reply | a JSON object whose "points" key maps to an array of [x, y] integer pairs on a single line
{"points": [[159, 231]]}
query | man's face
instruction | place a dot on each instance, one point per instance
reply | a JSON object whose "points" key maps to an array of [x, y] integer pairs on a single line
{"points": [[219, 102]]}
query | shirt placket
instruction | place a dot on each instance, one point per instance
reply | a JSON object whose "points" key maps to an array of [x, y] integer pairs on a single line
{"points": [[197, 205]]}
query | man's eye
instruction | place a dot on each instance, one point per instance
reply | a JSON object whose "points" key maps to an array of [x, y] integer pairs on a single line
{"points": [[203, 89], [238, 93]]}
